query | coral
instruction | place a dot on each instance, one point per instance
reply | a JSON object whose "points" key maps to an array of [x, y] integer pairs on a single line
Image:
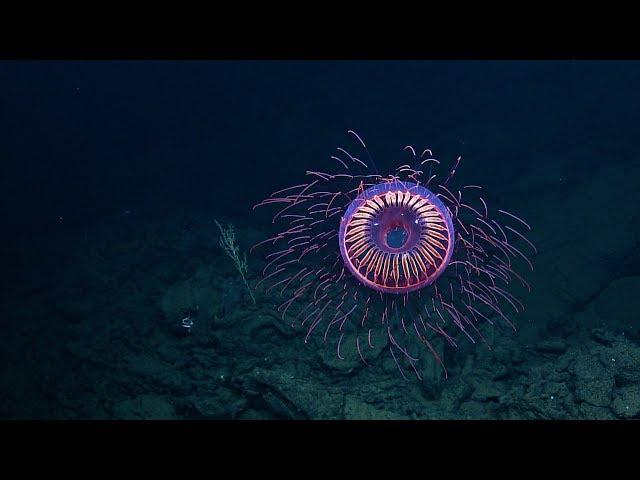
{"points": [[228, 244], [145, 406]]}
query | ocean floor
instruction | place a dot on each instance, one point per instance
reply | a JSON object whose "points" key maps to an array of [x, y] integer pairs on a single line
{"points": [[93, 325]]}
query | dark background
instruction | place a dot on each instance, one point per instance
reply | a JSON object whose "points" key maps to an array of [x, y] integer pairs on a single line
{"points": [[83, 140]]}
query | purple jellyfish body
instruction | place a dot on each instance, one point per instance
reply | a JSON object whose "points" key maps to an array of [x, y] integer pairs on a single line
{"points": [[402, 260], [396, 237]]}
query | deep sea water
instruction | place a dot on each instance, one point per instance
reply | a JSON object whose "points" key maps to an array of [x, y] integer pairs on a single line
{"points": [[114, 172]]}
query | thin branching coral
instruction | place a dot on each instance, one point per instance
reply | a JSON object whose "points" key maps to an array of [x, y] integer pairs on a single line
{"points": [[228, 244]]}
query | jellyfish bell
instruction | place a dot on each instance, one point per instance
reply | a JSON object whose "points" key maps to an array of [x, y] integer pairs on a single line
{"points": [[396, 237]]}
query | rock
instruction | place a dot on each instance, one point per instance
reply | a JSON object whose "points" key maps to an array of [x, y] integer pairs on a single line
{"points": [[148, 407], [592, 412], [355, 409], [626, 402], [472, 410], [593, 381], [267, 323], [431, 369], [485, 392], [602, 336], [618, 304], [299, 395], [587, 320], [146, 365], [224, 404], [255, 415], [572, 267], [625, 358], [351, 360], [554, 345], [172, 380], [196, 293], [508, 352], [501, 373], [280, 407], [455, 393]]}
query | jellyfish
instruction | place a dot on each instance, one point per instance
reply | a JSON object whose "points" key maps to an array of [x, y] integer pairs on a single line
{"points": [[402, 260]]}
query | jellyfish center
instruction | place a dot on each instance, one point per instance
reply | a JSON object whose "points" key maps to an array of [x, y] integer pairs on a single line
{"points": [[397, 237], [395, 229]]}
